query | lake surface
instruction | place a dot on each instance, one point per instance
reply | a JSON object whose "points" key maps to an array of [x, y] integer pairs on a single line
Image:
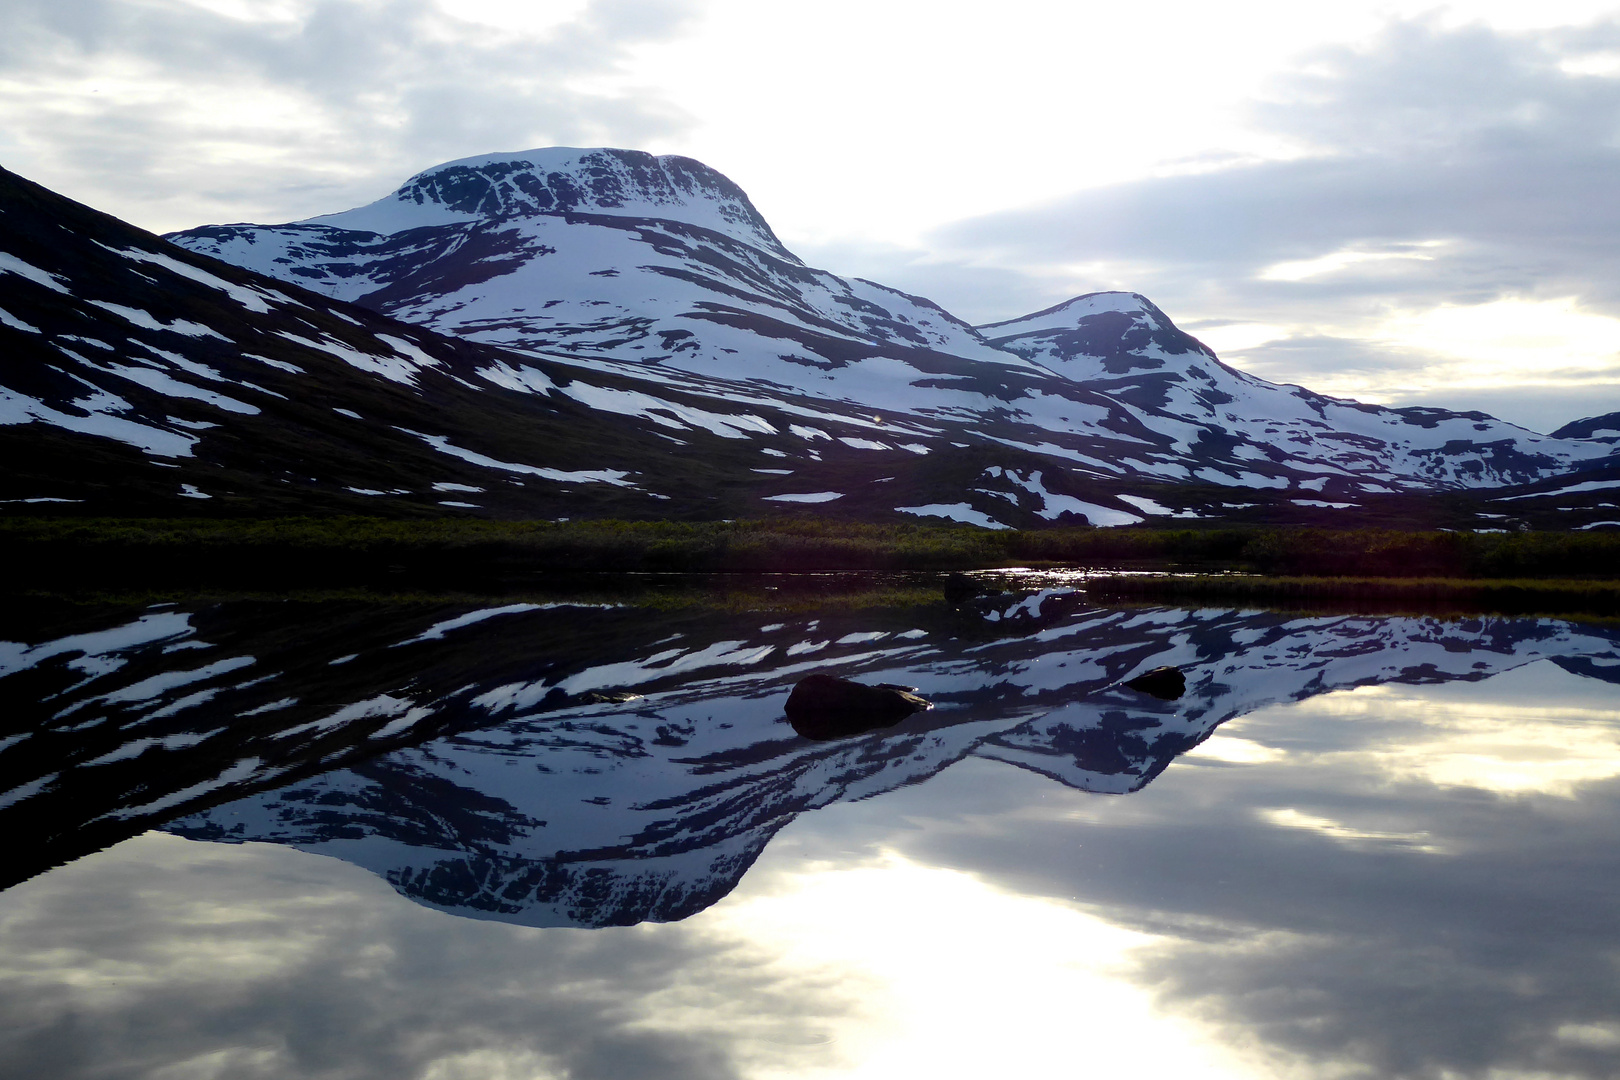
{"points": [[442, 840]]}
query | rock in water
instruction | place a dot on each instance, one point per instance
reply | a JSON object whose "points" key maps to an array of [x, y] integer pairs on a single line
{"points": [[827, 707], [1164, 683], [959, 587]]}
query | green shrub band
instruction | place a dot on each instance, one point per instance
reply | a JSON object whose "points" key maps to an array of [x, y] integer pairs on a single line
{"points": [[350, 550]]}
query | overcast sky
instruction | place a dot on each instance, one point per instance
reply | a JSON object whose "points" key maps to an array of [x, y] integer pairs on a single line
{"points": [[1397, 202]]}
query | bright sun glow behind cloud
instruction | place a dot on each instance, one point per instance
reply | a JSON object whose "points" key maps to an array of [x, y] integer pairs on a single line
{"points": [[1512, 339]]}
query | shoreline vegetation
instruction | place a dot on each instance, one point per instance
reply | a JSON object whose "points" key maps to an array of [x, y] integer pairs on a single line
{"points": [[1257, 566]]}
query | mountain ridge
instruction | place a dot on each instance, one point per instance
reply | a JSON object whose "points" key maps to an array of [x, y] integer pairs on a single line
{"points": [[562, 281], [747, 386]]}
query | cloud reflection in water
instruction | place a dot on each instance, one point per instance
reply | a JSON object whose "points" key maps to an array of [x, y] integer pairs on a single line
{"points": [[1406, 880]]}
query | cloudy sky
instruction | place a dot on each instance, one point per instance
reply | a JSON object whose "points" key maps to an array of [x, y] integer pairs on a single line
{"points": [[1398, 202]]}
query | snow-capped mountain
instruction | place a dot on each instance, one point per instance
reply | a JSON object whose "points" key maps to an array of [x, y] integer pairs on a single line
{"points": [[620, 256], [479, 759], [1125, 347], [139, 377], [674, 366], [1605, 428]]}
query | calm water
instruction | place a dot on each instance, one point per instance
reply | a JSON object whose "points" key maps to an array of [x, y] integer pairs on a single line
{"points": [[352, 840]]}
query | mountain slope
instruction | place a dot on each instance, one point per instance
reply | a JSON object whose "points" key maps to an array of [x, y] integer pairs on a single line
{"points": [[136, 377]]}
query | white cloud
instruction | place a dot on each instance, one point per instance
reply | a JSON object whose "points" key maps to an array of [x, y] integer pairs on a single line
{"points": [[171, 113], [1512, 339], [1337, 261], [1330, 173]]}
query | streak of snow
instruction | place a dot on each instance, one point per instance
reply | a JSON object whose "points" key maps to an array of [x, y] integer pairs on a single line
{"points": [[636, 403], [8, 319], [236, 773], [280, 364], [437, 631], [274, 706], [251, 299], [1585, 485], [156, 685], [615, 477], [381, 705], [408, 349], [15, 656], [394, 368], [18, 409], [625, 673], [10, 264], [1055, 505], [137, 747], [24, 791], [147, 321], [803, 647], [808, 497], [962, 512], [163, 383]]}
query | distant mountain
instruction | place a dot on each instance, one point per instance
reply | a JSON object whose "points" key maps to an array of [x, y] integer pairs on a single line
{"points": [[620, 255], [609, 334], [1605, 428]]}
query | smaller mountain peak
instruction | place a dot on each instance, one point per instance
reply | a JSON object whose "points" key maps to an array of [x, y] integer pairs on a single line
{"points": [[1069, 313], [559, 180], [1100, 333], [1605, 428]]}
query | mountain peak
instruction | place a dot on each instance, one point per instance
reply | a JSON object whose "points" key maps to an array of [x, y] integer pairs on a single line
{"points": [[561, 180], [1099, 334], [1605, 428], [1069, 313]]}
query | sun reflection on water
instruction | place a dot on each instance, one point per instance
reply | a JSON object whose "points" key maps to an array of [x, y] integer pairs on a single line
{"points": [[960, 978]]}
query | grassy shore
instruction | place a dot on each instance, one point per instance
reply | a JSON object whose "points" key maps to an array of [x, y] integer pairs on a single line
{"points": [[370, 553]]}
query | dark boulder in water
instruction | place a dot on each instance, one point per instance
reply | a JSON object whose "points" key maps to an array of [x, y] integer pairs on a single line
{"points": [[827, 707], [1164, 683], [960, 587]]}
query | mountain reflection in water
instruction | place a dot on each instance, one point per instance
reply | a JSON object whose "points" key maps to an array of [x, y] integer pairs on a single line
{"points": [[479, 761], [1387, 847]]}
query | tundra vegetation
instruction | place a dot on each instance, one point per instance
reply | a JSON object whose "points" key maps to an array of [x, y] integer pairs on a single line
{"points": [[1507, 571]]}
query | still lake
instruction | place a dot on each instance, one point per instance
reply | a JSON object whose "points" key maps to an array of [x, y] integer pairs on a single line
{"points": [[578, 839]]}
